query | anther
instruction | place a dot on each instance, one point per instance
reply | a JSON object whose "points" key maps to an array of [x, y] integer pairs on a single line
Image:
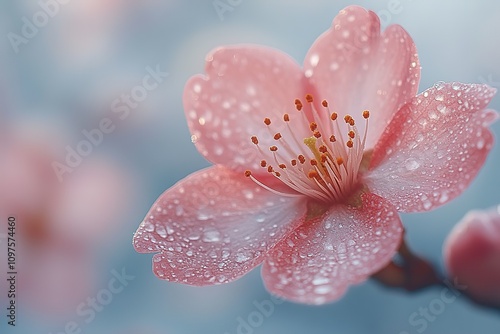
{"points": [[314, 162], [286, 118], [263, 163], [323, 149], [248, 173], [273, 148], [278, 136], [301, 159], [349, 143], [312, 174], [277, 174], [333, 116], [324, 158], [313, 126], [293, 162], [333, 139], [324, 103], [298, 104], [270, 169], [267, 121], [366, 114], [317, 134], [282, 166], [309, 98], [255, 140], [351, 134], [347, 118], [340, 161]]}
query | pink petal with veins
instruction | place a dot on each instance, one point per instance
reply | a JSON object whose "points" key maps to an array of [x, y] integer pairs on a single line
{"points": [[434, 147], [225, 108], [318, 262], [214, 226], [355, 68], [472, 254]]}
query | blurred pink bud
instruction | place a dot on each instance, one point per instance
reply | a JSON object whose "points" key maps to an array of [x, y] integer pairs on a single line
{"points": [[472, 255]]}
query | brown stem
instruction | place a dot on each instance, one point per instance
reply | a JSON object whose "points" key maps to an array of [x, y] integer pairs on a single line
{"points": [[413, 273]]}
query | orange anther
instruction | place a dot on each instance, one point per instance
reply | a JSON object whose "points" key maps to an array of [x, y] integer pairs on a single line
{"points": [[351, 134], [278, 174], [349, 143], [324, 103], [323, 149], [248, 173], [340, 161], [332, 138], [301, 159], [294, 162], [366, 114], [313, 126], [309, 98], [267, 121], [273, 148], [317, 134], [277, 136], [312, 174], [333, 116], [270, 169], [314, 162], [282, 166], [255, 140], [286, 118], [263, 163]]}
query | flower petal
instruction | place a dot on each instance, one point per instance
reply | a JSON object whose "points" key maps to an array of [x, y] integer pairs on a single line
{"points": [[471, 254], [214, 226], [244, 84], [434, 147], [356, 68], [318, 261]]}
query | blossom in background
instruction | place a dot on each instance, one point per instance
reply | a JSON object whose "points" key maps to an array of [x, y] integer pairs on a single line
{"points": [[60, 226], [312, 165], [472, 255]]}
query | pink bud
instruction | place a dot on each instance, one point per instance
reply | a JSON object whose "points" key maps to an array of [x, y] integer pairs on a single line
{"points": [[472, 255]]}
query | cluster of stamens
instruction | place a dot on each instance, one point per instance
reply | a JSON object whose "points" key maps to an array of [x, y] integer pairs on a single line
{"points": [[324, 165]]}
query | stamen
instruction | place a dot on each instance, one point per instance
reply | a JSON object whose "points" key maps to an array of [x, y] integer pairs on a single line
{"points": [[334, 154]]}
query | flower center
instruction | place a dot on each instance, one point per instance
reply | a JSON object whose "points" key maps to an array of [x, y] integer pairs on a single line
{"points": [[323, 166]]}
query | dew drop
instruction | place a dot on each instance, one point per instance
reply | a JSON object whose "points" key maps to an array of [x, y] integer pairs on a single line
{"points": [[161, 231], [149, 227], [242, 257], [411, 164], [211, 235]]}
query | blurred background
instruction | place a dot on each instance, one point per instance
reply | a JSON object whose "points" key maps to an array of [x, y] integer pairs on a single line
{"points": [[59, 79]]}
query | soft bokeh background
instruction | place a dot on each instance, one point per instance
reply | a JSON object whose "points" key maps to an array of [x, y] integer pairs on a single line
{"points": [[73, 235]]}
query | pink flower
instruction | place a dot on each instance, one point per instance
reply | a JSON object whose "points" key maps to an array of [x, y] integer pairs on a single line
{"points": [[325, 176], [472, 255], [60, 226]]}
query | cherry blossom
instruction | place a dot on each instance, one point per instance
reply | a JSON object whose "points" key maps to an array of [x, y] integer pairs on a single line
{"points": [[313, 164], [472, 254]]}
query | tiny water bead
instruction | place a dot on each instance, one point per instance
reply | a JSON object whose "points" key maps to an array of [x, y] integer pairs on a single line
{"points": [[323, 166]]}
